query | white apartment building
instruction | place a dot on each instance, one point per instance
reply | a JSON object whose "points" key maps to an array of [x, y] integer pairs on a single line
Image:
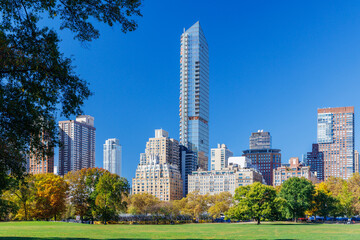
{"points": [[225, 180], [158, 172], [219, 157], [112, 156]]}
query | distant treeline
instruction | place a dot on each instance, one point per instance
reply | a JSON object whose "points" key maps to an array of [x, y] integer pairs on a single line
{"points": [[95, 194]]}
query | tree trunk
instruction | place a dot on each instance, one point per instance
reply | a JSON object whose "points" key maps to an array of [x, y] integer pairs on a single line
{"points": [[26, 218], [296, 219], [258, 221]]}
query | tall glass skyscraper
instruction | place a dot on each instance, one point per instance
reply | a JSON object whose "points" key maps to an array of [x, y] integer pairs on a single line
{"points": [[112, 156], [335, 136], [194, 93]]}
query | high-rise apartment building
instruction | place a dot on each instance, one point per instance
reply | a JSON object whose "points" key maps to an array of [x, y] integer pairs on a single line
{"points": [[112, 156], [188, 164], [77, 149], [335, 136], [194, 93], [263, 156], [37, 163], [260, 140], [219, 157], [356, 161], [315, 160], [158, 172]]}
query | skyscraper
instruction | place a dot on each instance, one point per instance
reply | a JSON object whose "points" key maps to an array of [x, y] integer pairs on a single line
{"points": [[112, 156], [263, 157], [335, 136], [188, 164], [194, 93], [220, 156], [77, 149], [260, 140], [38, 163], [315, 159], [158, 172]]}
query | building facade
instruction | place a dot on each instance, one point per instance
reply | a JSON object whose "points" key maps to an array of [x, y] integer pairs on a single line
{"points": [[335, 136], [356, 161], [265, 160], [77, 149], [194, 93], [262, 155], [242, 162], [294, 169], [225, 180], [260, 140], [112, 156], [315, 160], [220, 156], [37, 163], [158, 172], [188, 160]]}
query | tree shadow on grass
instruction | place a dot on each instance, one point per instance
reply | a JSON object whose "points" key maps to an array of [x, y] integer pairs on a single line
{"points": [[57, 238]]}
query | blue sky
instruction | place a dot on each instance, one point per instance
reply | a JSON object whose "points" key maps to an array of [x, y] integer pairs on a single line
{"points": [[272, 64]]}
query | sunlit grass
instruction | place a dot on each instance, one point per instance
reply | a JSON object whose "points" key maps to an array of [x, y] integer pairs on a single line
{"points": [[51, 230]]}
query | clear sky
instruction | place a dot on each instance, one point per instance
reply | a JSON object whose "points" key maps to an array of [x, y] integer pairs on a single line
{"points": [[272, 64]]}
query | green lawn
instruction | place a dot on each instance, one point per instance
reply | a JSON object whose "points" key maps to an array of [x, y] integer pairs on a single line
{"points": [[50, 230]]}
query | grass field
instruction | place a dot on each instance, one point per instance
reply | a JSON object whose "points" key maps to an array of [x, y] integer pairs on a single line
{"points": [[72, 231]]}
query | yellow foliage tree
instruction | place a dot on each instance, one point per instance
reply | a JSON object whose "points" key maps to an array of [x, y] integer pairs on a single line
{"points": [[50, 196]]}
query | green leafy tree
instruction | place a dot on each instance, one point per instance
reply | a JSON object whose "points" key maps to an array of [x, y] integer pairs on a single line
{"points": [[111, 191], [298, 195], [36, 80], [82, 191], [22, 193], [324, 203], [255, 201]]}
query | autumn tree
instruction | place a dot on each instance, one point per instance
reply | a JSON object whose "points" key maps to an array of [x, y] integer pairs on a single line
{"points": [[220, 203], [142, 203], [324, 203], [298, 195], [256, 201], [354, 188], [50, 196], [341, 190], [194, 204], [111, 190], [37, 82]]}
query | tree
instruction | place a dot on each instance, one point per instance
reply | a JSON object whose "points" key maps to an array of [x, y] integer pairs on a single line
{"points": [[341, 190], [22, 193], [82, 190], [36, 81], [220, 203], [50, 196], [111, 190], [194, 204], [324, 203], [298, 195], [354, 188], [142, 203], [255, 201]]}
